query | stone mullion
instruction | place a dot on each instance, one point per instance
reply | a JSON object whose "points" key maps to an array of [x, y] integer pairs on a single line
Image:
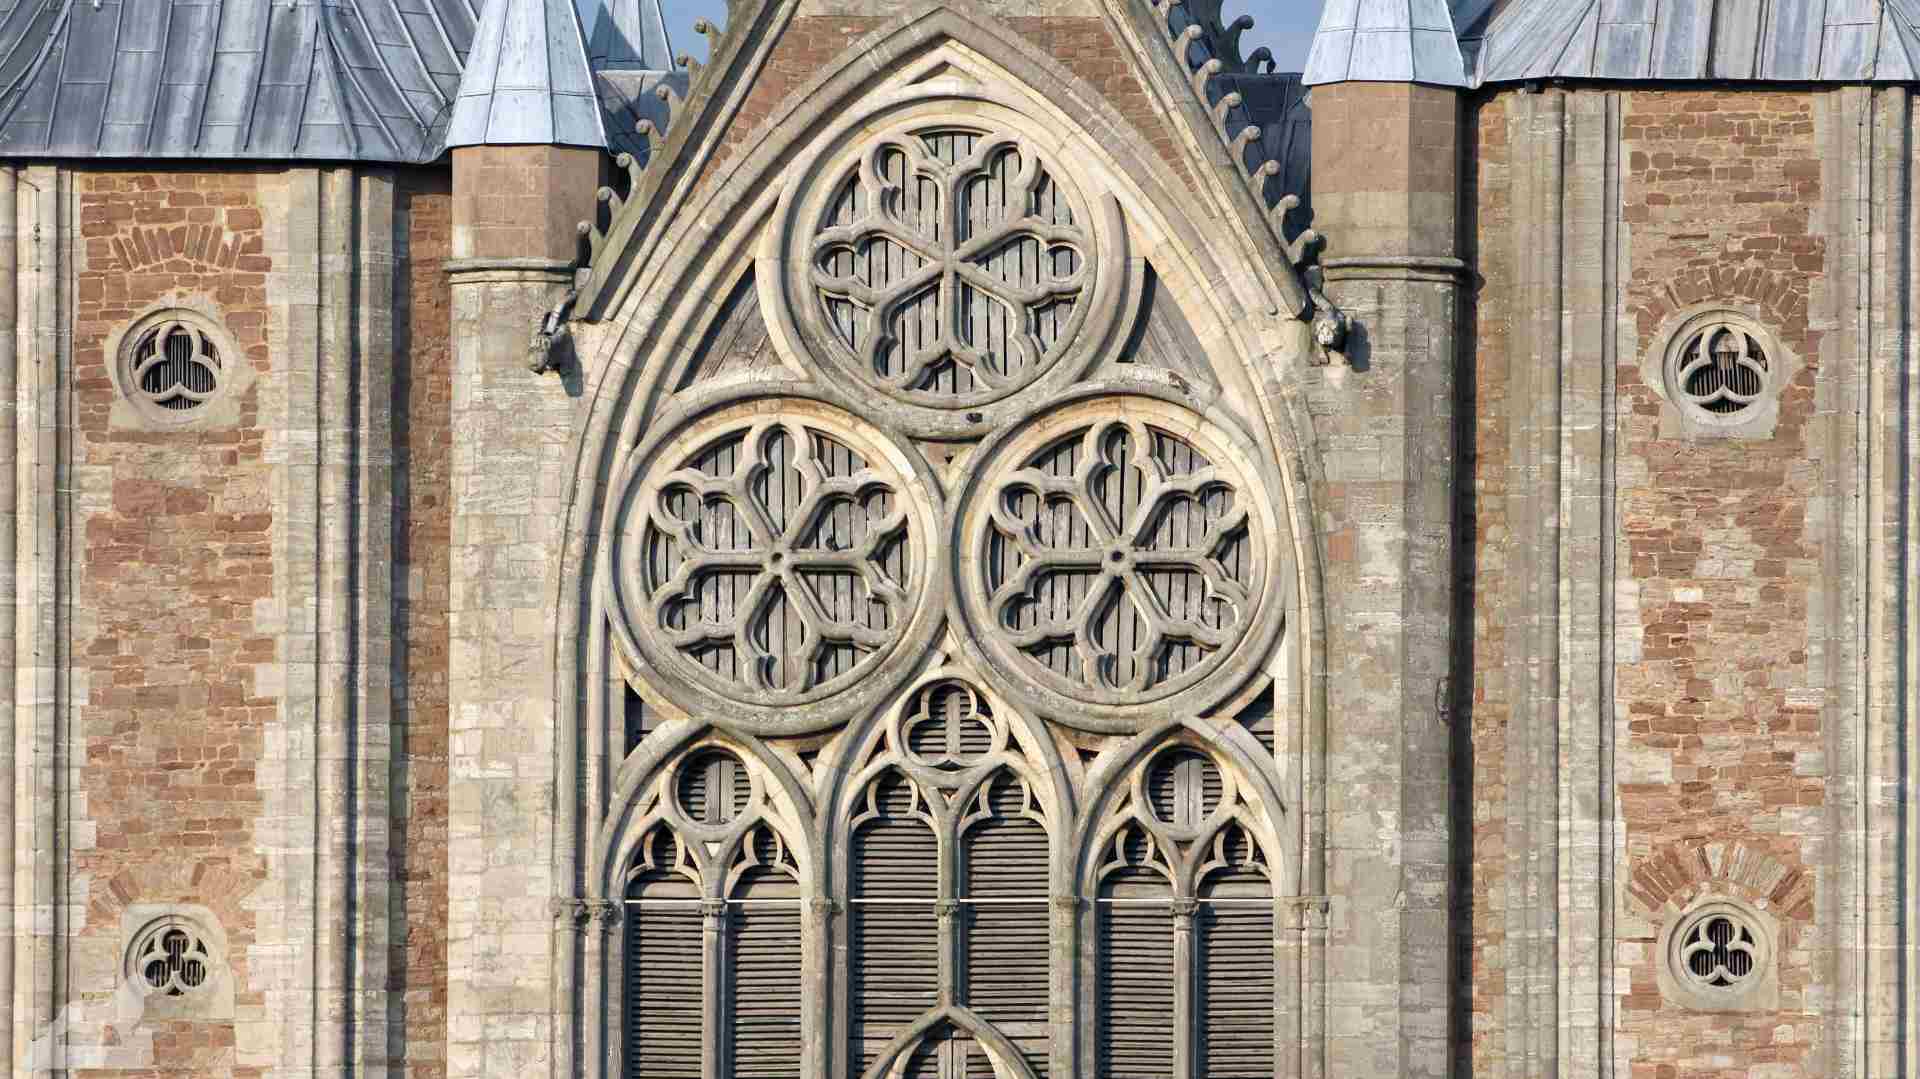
{"points": [[948, 909], [1063, 961], [713, 933], [817, 1029], [1186, 1018]]}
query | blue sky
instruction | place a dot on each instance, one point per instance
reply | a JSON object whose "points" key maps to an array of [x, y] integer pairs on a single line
{"points": [[1285, 26]]}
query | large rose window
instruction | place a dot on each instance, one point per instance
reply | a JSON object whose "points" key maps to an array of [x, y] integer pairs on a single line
{"points": [[772, 564], [1112, 559], [951, 266]]}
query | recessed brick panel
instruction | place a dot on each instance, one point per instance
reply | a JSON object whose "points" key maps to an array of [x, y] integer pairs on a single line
{"points": [[173, 547], [1721, 739]]}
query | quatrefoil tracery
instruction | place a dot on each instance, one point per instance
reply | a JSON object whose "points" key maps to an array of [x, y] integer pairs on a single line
{"points": [[961, 262]]}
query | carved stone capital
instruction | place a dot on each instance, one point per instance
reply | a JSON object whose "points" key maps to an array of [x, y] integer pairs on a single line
{"points": [[823, 907], [713, 908], [569, 912], [1066, 904], [1184, 908], [947, 908], [606, 913]]}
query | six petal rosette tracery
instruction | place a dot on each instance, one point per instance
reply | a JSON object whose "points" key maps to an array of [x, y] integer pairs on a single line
{"points": [[951, 266], [771, 558], [1114, 559]]}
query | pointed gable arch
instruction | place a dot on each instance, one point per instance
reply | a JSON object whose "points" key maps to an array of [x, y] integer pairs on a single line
{"points": [[1135, 363], [725, 151]]}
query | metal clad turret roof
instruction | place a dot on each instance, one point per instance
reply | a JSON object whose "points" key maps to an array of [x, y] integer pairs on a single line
{"points": [[1385, 41], [528, 80], [342, 79], [1629, 40], [632, 36], [1782, 41]]}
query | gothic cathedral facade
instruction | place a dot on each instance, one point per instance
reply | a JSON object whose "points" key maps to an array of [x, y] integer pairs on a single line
{"points": [[983, 540]]}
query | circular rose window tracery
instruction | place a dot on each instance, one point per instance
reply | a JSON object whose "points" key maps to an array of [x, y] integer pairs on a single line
{"points": [[950, 265], [1114, 557], [774, 563]]}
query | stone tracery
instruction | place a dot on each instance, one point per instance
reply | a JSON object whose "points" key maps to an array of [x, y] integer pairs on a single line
{"points": [[950, 265], [1110, 553]]}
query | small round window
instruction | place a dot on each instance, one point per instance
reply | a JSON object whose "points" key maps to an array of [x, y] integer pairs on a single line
{"points": [[173, 364], [1719, 955], [171, 959], [1724, 373]]}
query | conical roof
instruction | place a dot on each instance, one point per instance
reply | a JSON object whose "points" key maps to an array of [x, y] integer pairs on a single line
{"points": [[528, 80], [631, 36], [1386, 41]]}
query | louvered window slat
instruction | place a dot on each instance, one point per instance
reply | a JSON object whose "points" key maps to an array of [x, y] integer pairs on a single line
{"points": [[894, 930], [1236, 994], [1008, 935], [763, 1001], [1136, 982], [663, 988]]}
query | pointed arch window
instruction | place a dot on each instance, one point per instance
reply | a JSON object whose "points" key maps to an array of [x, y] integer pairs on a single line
{"points": [[893, 917], [1184, 912], [712, 933], [949, 898]]}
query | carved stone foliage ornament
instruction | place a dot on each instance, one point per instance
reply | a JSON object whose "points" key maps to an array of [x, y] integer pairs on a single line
{"points": [[769, 556], [947, 264], [1113, 561]]}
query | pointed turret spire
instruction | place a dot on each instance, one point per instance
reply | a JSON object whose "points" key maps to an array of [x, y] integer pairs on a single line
{"points": [[1386, 41], [527, 80], [632, 36]]}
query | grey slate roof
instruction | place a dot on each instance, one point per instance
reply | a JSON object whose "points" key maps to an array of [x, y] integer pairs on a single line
{"points": [[1385, 41], [1782, 40], [528, 80], [345, 79], [1519, 40]]}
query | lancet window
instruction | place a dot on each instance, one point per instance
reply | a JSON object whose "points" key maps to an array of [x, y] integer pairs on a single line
{"points": [[712, 932]]}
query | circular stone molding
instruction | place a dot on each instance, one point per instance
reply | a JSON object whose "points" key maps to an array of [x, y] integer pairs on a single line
{"points": [[175, 962], [768, 561], [1717, 955], [173, 365], [948, 261], [1114, 562], [1721, 372]]}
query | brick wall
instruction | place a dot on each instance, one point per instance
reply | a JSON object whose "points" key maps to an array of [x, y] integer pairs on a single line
{"points": [[1719, 192], [172, 551], [1718, 744], [423, 388]]}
